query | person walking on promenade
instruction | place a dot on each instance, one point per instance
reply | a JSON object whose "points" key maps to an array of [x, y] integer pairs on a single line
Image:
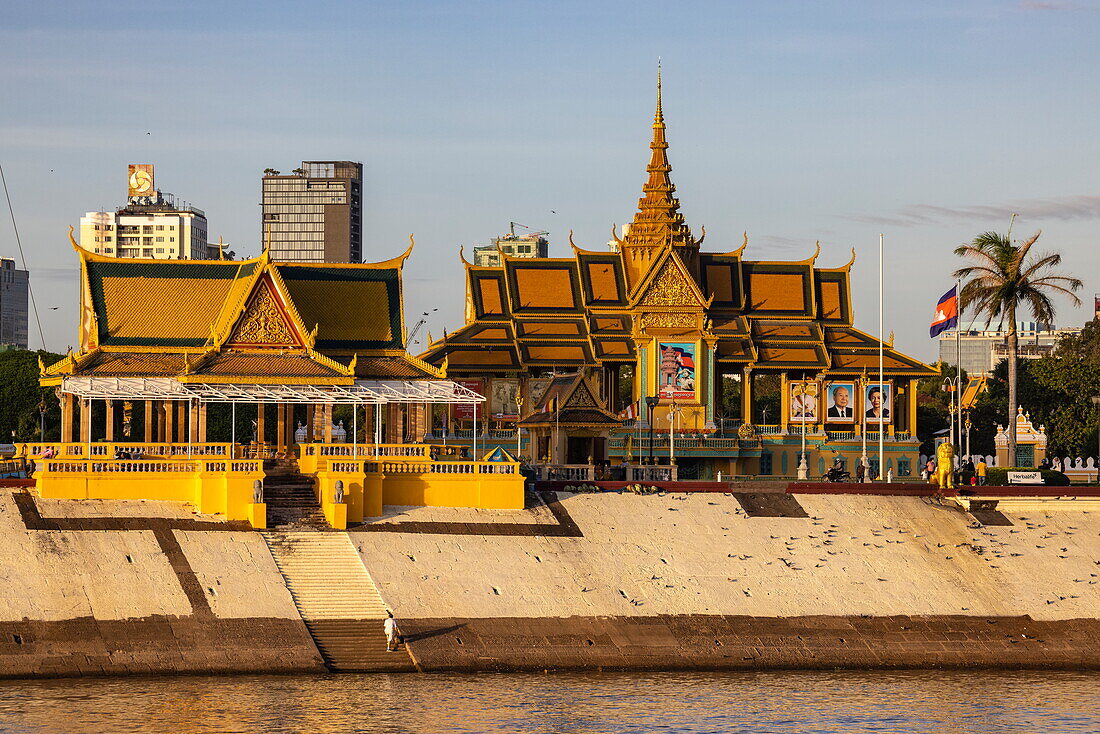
{"points": [[980, 470], [860, 471], [392, 637]]}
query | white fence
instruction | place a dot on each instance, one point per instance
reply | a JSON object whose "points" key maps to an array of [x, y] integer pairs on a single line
{"points": [[1078, 470]]}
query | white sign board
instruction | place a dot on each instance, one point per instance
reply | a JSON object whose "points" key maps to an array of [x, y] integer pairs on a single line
{"points": [[1025, 477]]}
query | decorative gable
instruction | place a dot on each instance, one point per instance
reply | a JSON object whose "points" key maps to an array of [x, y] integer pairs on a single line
{"points": [[671, 286], [582, 397], [264, 322]]}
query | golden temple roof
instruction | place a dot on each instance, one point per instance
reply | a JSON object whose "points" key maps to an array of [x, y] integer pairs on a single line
{"points": [[596, 307], [252, 320]]}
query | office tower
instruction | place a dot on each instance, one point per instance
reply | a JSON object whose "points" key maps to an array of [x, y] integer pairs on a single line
{"points": [[14, 288], [314, 214]]}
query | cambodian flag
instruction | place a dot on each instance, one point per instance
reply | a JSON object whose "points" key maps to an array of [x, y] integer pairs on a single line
{"points": [[947, 313]]}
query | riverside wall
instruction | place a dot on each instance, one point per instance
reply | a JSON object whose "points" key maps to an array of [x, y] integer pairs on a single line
{"points": [[713, 581], [576, 581], [99, 587]]}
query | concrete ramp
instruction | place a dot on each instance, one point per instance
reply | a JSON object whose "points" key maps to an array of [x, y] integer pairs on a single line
{"points": [[339, 603]]}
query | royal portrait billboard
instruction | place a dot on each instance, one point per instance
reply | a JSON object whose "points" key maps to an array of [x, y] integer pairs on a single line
{"points": [[878, 403], [803, 406], [676, 371], [840, 402]]}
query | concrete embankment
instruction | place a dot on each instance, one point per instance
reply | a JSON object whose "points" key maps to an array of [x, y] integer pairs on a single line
{"points": [[720, 582], [114, 587], [586, 581]]}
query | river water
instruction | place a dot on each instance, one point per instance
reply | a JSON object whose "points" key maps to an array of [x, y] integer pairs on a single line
{"points": [[773, 703]]}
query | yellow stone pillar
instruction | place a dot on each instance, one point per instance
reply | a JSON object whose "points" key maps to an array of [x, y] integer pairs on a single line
{"points": [[192, 422], [746, 396], [394, 425], [149, 427], [67, 417], [913, 408], [311, 423], [280, 427], [784, 402], [202, 422], [326, 416], [261, 433], [109, 434], [85, 421], [169, 433]]}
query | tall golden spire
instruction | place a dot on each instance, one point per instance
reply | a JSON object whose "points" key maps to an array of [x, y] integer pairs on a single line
{"points": [[658, 219]]}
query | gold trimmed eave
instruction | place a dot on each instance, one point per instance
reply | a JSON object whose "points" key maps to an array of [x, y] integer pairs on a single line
{"points": [[572, 418]]}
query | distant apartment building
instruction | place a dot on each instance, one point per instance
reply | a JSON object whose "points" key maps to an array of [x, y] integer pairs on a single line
{"points": [[152, 224], [980, 351], [534, 244], [14, 290], [314, 213]]}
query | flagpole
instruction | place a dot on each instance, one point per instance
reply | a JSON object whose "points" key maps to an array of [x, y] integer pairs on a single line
{"points": [[881, 380], [958, 365]]}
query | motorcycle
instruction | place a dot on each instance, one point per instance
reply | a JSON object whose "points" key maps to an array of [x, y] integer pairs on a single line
{"points": [[836, 474]]}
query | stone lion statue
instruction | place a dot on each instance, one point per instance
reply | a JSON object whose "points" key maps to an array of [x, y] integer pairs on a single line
{"points": [[944, 477]]}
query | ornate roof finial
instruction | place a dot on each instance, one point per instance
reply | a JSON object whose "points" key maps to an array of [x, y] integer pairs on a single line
{"points": [[658, 220], [659, 118]]}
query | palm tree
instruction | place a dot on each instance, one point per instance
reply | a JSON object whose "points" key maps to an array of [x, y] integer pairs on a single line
{"points": [[1001, 281]]}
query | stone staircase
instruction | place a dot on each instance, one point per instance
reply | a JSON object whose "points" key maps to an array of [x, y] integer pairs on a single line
{"points": [[338, 601], [291, 501]]}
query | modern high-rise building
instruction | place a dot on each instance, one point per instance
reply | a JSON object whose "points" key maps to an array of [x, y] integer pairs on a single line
{"points": [[14, 289], [315, 213], [979, 352], [151, 225], [534, 244]]}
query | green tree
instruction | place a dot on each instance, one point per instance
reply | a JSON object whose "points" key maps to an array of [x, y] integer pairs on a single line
{"points": [[1002, 281], [21, 398]]}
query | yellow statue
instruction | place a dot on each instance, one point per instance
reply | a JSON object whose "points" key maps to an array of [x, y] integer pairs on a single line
{"points": [[945, 470]]}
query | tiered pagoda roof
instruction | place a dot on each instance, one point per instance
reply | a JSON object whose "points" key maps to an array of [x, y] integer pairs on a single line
{"points": [[594, 307], [251, 321]]}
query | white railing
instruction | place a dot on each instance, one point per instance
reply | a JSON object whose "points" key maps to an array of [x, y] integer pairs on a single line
{"points": [[589, 473], [369, 450], [147, 467]]}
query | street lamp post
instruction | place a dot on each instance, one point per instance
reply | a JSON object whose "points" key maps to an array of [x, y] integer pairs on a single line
{"points": [[651, 402], [969, 425], [949, 386], [519, 431], [673, 411], [862, 380], [803, 466], [1096, 402]]}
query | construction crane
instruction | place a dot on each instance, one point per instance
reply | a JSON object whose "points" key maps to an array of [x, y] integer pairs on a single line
{"points": [[512, 229], [420, 325]]}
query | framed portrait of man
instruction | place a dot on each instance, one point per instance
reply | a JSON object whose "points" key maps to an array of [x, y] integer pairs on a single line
{"points": [[840, 402], [878, 403], [803, 404]]}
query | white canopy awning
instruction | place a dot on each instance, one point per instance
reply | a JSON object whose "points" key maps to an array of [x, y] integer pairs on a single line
{"points": [[363, 392]]}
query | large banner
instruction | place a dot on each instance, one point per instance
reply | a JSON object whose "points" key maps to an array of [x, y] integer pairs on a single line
{"points": [[840, 402], [803, 406], [503, 399], [465, 411], [878, 404], [676, 371]]}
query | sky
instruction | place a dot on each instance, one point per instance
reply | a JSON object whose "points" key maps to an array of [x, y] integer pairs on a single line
{"points": [[795, 122]]}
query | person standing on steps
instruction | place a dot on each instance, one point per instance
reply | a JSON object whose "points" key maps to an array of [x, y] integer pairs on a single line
{"points": [[392, 637]]}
